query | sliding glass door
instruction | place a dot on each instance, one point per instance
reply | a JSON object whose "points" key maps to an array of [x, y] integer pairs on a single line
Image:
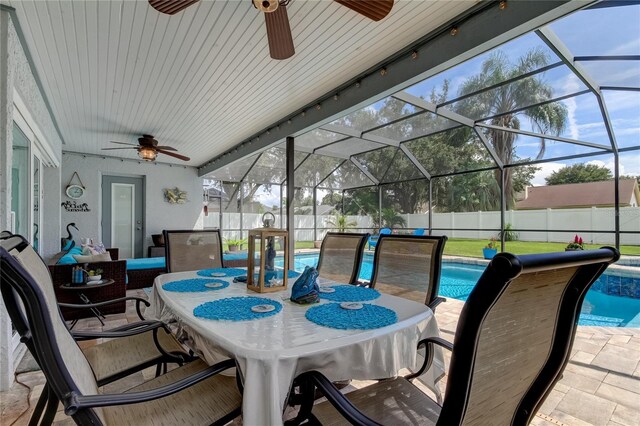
{"points": [[26, 184], [20, 184]]}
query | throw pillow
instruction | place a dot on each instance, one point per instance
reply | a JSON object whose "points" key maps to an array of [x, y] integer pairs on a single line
{"points": [[88, 250], [104, 257]]}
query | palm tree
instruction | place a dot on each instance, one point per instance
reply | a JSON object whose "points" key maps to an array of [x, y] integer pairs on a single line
{"points": [[548, 118], [341, 223], [391, 218]]}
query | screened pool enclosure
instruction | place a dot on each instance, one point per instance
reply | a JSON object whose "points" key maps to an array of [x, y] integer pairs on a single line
{"points": [[455, 153]]}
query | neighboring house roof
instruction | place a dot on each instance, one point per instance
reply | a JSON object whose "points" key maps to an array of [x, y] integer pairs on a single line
{"points": [[597, 194], [216, 193]]}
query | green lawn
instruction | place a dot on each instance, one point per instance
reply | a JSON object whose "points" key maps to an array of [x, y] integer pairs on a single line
{"points": [[473, 248]]}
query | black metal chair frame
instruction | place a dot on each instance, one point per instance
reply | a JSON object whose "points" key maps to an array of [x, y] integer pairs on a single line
{"points": [[187, 231], [502, 270], [126, 330], [432, 299], [360, 251], [36, 331]]}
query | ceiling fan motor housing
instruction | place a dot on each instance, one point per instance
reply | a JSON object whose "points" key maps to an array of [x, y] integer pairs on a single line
{"points": [[266, 5], [147, 140]]}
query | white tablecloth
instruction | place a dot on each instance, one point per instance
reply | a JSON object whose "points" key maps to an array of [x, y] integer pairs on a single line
{"points": [[272, 351]]}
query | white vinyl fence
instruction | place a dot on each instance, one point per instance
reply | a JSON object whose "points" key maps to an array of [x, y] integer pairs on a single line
{"points": [[531, 225]]}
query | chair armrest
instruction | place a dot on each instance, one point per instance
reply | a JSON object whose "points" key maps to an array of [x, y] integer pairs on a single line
{"points": [[428, 359], [337, 399], [75, 402], [435, 302], [124, 331], [138, 300]]}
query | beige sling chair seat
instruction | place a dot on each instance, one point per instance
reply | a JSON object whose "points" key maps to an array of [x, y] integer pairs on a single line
{"points": [[511, 345], [133, 346], [72, 379], [340, 256], [190, 250], [409, 266], [209, 399], [118, 356]]}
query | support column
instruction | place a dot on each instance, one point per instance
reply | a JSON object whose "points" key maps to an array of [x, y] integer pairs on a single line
{"points": [[315, 215], [380, 206], [502, 207], [290, 195], [430, 207], [281, 211], [616, 196], [241, 195]]}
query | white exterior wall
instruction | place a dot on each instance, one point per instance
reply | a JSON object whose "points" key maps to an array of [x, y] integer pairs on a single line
{"points": [[16, 77], [159, 214]]}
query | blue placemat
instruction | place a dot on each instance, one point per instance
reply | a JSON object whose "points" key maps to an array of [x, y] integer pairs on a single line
{"points": [[369, 317], [193, 285], [350, 293], [228, 272], [235, 308]]}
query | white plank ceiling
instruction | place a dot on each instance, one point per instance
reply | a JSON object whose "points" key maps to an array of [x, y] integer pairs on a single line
{"points": [[202, 80]]}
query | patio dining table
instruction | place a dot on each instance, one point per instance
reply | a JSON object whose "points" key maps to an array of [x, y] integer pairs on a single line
{"points": [[270, 352]]}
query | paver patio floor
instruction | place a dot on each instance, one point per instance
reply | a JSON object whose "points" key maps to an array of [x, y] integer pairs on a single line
{"points": [[600, 385]]}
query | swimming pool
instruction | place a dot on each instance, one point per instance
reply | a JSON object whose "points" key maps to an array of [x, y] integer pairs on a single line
{"points": [[458, 279]]}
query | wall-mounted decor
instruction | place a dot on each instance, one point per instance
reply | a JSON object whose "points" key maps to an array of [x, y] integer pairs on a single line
{"points": [[175, 196], [73, 190], [72, 206]]}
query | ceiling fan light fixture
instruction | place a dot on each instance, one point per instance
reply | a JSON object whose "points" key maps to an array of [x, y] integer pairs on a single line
{"points": [[266, 6], [147, 153]]}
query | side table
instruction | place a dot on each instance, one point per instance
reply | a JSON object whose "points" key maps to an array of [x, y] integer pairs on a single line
{"points": [[80, 288]]}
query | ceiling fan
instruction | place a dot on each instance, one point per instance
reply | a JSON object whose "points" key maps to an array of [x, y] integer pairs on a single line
{"points": [[148, 149], [277, 20]]}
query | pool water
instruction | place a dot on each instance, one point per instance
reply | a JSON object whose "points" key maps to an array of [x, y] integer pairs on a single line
{"points": [[458, 279]]}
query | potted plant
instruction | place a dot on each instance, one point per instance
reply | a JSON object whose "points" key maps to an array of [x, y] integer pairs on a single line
{"points": [[576, 244], [235, 245], [95, 274], [491, 249]]}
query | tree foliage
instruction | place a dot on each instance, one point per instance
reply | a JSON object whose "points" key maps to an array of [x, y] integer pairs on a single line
{"points": [[498, 103], [579, 173], [449, 149]]}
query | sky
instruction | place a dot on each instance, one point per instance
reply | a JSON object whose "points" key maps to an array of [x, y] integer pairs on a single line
{"points": [[585, 33]]}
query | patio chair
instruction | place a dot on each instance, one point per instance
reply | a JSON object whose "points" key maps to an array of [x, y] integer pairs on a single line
{"points": [[513, 340], [132, 348], [341, 256], [419, 231], [193, 249], [5, 234], [409, 266], [373, 239], [192, 394]]}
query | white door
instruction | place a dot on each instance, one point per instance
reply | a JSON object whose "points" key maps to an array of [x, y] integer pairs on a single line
{"points": [[123, 224]]}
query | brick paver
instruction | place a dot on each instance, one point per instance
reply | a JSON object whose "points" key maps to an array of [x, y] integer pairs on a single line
{"points": [[600, 386]]}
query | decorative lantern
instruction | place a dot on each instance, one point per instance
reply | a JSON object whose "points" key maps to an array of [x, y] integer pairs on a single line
{"points": [[262, 274]]}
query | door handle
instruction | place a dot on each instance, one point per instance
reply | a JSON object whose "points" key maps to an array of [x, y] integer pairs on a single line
{"points": [[138, 228]]}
